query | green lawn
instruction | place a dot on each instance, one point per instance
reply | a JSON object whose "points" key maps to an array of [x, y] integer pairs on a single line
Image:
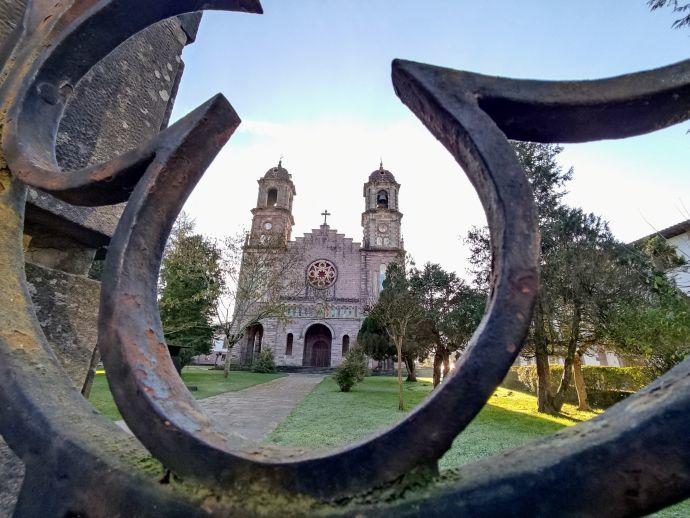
{"points": [[208, 382], [328, 418]]}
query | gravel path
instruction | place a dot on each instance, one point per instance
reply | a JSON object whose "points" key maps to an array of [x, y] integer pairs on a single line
{"points": [[248, 416]]}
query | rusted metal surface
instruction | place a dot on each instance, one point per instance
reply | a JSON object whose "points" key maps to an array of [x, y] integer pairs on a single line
{"points": [[76, 460], [80, 461]]}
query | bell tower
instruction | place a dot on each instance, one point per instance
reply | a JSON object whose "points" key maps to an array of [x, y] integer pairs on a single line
{"points": [[273, 211], [381, 217]]}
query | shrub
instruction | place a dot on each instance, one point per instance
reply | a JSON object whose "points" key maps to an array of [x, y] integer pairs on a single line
{"points": [[345, 377], [605, 385], [358, 360], [352, 370], [264, 362]]}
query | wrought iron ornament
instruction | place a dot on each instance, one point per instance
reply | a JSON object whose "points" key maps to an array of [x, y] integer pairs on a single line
{"points": [[632, 460]]}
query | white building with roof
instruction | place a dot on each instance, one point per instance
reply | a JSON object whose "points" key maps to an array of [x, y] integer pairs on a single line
{"points": [[678, 236]]}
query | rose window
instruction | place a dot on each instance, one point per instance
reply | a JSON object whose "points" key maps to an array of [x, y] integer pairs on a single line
{"points": [[321, 274]]}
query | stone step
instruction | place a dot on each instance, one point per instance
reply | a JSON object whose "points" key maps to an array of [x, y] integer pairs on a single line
{"points": [[305, 370]]}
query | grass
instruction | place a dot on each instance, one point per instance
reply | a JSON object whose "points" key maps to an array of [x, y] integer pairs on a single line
{"points": [[208, 382], [327, 418]]}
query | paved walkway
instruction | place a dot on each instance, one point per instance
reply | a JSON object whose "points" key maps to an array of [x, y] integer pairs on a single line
{"points": [[248, 416]]}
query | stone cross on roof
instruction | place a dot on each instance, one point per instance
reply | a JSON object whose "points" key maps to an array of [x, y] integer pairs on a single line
{"points": [[325, 215]]}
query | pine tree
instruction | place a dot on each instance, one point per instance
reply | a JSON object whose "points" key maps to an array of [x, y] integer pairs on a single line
{"points": [[190, 283]]}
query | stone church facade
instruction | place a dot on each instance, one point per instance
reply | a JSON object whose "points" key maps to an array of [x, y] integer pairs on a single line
{"points": [[341, 276]]}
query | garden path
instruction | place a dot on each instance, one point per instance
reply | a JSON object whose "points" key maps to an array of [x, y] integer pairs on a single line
{"points": [[246, 417]]}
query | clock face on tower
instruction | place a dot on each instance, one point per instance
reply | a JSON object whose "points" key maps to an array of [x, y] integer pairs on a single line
{"points": [[268, 225], [382, 228]]}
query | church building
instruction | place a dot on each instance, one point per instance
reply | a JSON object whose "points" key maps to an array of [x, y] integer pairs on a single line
{"points": [[341, 276]]}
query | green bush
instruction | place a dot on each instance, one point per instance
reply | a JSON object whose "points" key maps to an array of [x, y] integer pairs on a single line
{"points": [[605, 385], [264, 362], [345, 377], [352, 370], [358, 359]]}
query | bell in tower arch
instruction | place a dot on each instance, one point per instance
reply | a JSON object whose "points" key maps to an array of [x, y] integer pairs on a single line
{"points": [[382, 199]]}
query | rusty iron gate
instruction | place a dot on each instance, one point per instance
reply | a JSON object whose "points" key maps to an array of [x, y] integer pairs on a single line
{"points": [[632, 460]]}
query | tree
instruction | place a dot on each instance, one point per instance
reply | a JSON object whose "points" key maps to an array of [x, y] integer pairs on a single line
{"points": [[374, 339], [417, 346], [452, 309], [582, 282], [398, 310], [594, 289], [377, 344], [677, 7], [601, 291], [259, 281], [467, 309], [657, 330], [655, 323], [190, 283], [547, 179]]}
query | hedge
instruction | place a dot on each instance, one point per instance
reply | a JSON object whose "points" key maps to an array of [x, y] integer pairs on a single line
{"points": [[605, 385]]}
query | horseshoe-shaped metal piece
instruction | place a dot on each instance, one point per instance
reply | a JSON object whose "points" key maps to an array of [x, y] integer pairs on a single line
{"points": [[165, 418]]}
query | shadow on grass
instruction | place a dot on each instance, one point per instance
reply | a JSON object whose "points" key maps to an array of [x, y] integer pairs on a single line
{"points": [[493, 431]]}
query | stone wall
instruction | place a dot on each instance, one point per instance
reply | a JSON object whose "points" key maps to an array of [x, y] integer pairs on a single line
{"points": [[339, 327], [123, 101], [374, 263], [11, 477], [67, 308], [327, 243]]}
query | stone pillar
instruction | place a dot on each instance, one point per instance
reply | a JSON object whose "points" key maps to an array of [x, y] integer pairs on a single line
{"points": [[124, 101]]}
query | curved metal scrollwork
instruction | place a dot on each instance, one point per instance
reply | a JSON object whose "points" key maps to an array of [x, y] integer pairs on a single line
{"points": [[472, 116]]}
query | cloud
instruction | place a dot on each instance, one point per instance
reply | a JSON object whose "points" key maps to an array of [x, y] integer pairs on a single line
{"points": [[331, 159]]}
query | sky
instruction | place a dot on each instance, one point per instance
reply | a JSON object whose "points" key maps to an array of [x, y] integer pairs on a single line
{"points": [[310, 80]]}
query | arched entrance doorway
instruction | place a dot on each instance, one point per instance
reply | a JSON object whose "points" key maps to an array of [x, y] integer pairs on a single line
{"points": [[254, 335], [317, 346]]}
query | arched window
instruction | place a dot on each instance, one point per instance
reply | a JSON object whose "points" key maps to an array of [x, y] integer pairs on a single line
{"points": [[346, 344], [382, 276], [382, 199], [288, 345], [272, 197], [253, 334]]}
